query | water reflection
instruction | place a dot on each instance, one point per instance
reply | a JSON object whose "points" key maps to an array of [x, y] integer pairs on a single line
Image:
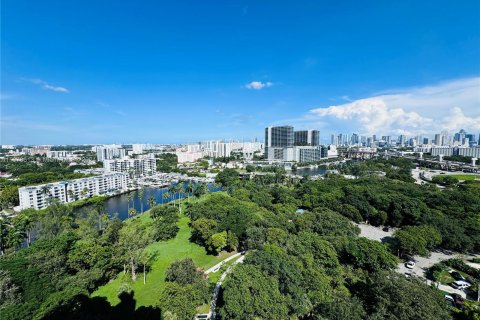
{"points": [[119, 205]]}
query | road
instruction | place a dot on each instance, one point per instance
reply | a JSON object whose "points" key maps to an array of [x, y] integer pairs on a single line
{"points": [[218, 285]]}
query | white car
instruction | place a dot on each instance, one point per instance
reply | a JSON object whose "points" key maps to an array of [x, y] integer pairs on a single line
{"points": [[410, 265], [449, 298], [460, 284]]}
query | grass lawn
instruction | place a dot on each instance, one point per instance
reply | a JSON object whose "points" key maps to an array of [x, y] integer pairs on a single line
{"points": [[465, 177], [445, 277], [166, 252]]}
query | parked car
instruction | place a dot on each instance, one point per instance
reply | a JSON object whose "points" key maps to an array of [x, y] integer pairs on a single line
{"points": [[449, 298], [458, 299], [202, 317], [410, 264], [457, 276], [460, 284], [386, 229]]}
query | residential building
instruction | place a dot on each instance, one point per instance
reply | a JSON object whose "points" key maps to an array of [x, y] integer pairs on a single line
{"points": [[108, 152], [133, 167], [38, 197]]}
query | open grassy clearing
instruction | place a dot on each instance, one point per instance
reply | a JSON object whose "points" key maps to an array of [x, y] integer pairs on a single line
{"points": [[461, 177], [165, 252]]}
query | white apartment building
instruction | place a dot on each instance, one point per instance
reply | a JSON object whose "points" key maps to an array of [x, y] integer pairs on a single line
{"points": [[189, 153], [133, 167], [139, 148], [108, 152], [298, 154], [37, 197], [473, 152], [60, 154]]}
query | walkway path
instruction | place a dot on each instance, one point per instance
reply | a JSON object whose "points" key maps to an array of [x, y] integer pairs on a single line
{"points": [[213, 305], [216, 267]]}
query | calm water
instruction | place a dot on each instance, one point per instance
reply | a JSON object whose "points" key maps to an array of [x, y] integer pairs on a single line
{"points": [[307, 171], [118, 205]]}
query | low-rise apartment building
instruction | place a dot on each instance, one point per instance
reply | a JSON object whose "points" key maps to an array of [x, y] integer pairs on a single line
{"points": [[38, 197]]}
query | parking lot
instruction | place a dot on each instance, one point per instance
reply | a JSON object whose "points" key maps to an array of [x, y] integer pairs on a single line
{"points": [[421, 263]]}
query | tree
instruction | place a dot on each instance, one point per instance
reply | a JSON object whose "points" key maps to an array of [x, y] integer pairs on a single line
{"points": [[183, 272], [227, 177], [339, 308], [180, 193], [179, 301], [203, 229], [369, 255], [413, 240], [9, 291], [84, 193], [140, 198], [146, 258], [173, 191], [151, 202], [71, 195], [132, 212], [217, 242], [5, 226], [239, 303], [9, 196], [56, 219], [129, 199], [133, 237], [391, 296], [45, 190]]}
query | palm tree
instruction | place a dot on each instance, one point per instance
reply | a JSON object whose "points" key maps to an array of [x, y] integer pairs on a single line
{"points": [[45, 190], [180, 191], [140, 197], [173, 191], [84, 193], [188, 187], [132, 212], [151, 202], [70, 194], [129, 198], [165, 196]]}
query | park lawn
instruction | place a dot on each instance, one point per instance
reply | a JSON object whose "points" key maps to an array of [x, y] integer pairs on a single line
{"points": [[165, 252], [465, 177]]}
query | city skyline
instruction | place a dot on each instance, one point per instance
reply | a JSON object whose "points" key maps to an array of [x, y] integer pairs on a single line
{"points": [[180, 72]]}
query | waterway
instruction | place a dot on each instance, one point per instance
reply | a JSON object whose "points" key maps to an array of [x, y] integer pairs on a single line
{"points": [[118, 206]]}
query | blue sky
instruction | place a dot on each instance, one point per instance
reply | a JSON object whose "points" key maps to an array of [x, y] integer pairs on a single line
{"points": [[183, 71]]}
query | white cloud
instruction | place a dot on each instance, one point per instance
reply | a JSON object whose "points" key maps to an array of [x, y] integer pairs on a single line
{"points": [[450, 105], [258, 85], [47, 86]]}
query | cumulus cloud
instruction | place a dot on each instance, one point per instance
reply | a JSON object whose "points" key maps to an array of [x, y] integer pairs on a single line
{"points": [[47, 86], [258, 85], [450, 105]]}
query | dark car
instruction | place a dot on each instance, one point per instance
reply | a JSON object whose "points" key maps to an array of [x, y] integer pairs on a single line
{"points": [[386, 229], [458, 299], [457, 276]]}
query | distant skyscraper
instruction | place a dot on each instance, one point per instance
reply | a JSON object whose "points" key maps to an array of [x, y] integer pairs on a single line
{"points": [[333, 140], [307, 138], [354, 139]]}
